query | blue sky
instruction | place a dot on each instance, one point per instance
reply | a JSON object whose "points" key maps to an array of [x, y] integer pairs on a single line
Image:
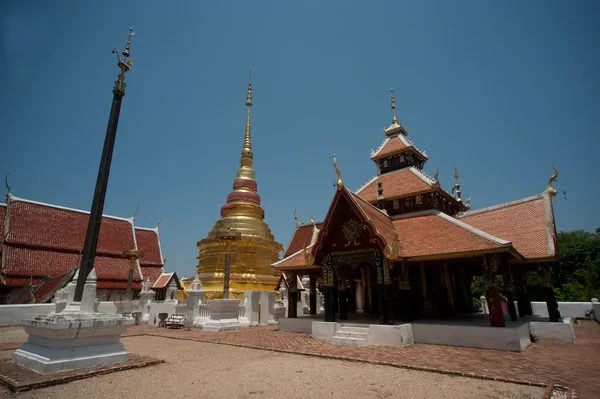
{"points": [[500, 89]]}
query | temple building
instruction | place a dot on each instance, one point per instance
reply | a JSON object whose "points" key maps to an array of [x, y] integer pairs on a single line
{"points": [[41, 251], [402, 248], [241, 237]]}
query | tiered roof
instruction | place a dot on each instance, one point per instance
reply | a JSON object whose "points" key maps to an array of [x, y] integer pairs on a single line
{"points": [[148, 241], [42, 242]]}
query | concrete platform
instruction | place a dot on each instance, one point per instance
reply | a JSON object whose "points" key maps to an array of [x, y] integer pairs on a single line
{"points": [[473, 331]]}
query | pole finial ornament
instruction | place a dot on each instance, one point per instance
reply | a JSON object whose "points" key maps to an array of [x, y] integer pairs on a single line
{"points": [[394, 119], [296, 218], [123, 64], [340, 183], [552, 190]]}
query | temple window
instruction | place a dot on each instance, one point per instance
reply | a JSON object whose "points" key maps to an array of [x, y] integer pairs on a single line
{"points": [[419, 199], [401, 158], [385, 163], [396, 204], [394, 161], [407, 202]]}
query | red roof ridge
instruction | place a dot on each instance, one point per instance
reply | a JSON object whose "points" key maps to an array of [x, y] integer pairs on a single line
{"points": [[291, 256], [14, 198], [456, 222], [500, 206]]}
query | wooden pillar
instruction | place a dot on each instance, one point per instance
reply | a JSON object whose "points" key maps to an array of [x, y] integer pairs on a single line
{"points": [[387, 285], [381, 305], [523, 302], [313, 294], [508, 289], [293, 295], [490, 268], [549, 296], [328, 282], [369, 290]]}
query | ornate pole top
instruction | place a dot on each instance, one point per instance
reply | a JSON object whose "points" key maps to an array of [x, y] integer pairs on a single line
{"points": [[394, 119], [124, 65], [340, 183]]}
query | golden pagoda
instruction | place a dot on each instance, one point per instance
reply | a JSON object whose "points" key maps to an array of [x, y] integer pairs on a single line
{"points": [[254, 248]]}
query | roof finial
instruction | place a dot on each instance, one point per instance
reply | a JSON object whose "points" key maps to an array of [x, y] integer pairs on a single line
{"points": [[296, 219], [136, 211], [159, 222], [340, 183], [394, 119], [552, 190], [313, 222], [456, 186], [7, 187]]}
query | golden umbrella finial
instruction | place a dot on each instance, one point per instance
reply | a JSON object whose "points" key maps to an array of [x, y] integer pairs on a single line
{"points": [[249, 96]]}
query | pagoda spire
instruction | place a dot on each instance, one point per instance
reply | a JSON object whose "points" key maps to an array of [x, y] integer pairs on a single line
{"points": [[380, 197], [247, 157], [243, 200]]}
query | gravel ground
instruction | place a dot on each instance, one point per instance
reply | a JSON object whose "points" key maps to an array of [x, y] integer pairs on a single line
{"points": [[195, 369]]}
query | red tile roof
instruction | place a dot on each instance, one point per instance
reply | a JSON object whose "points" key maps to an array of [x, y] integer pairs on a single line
{"points": [[295, 259], [148, 242], [152, 273], [392, 146], [46, 241], [164, 280], [43, 226], [528, 223], [396, 184], [303, 234], [435, 233]]}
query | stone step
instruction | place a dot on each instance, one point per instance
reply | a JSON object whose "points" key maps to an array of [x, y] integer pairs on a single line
{"points": [[351, 334], [354, 329], [336, 340]]}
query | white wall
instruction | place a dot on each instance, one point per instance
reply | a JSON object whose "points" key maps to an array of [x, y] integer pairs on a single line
{"points": [[566, 309], [12, 315]]}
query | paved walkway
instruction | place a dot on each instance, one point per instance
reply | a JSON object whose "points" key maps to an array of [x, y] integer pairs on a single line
{"points": [[574, 366]]}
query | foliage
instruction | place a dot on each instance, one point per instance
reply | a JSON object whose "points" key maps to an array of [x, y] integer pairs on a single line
{"points": [[578, 277]]}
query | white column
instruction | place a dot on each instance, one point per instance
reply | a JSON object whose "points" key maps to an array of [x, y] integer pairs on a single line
{"points": [[267, 308], [193, 304], [252, 299]]}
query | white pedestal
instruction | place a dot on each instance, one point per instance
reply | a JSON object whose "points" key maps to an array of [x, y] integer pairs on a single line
{"points": [[193, 304], [252, 299], [267, 308], [146, 298], [223, 315], [66, 341]]}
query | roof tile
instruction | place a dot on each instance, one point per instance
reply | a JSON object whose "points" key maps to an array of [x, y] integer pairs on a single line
{"points": [[523, 223], [395, 184], [147, 242], [431, 234]]}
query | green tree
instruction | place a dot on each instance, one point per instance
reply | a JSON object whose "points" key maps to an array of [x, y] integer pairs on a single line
{"points": [[578, 277]]}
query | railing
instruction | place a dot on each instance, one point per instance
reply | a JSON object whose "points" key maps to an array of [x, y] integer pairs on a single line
{"points": [[203, 311]]}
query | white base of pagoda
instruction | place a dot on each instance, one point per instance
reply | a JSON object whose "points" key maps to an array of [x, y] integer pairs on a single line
{"points": [[71, 340], [223, 315]]}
